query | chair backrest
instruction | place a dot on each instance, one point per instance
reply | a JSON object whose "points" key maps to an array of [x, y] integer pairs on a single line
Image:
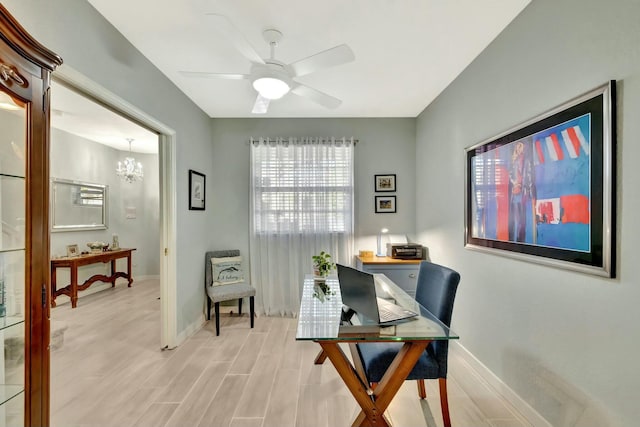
{"points": [[208, 271], [436, 291]]}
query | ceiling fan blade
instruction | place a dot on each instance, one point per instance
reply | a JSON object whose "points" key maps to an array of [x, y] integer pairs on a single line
{"points": [[234, 35], [328, 58], [317, 96], [206, 75], [261, 105]]}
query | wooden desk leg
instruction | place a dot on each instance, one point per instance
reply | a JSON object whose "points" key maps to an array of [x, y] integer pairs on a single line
{"points": [[320, 358], [54, 286], [392, 380], [373, 414], [357, 363], [113, 272], [74, 287], [129, 270]]}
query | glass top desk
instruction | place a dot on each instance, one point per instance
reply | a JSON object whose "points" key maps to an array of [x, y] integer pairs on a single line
{"points": [[321, 320]]}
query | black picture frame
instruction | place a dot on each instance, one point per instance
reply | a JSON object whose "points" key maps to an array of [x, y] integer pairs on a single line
{"points": [[544, 191], [384, 183], [385, 204], [197, 190]]}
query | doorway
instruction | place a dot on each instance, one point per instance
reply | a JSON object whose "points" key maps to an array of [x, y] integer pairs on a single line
{"points": [[74, 81]]}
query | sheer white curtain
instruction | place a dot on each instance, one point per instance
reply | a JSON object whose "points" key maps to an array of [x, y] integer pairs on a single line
{"points": [[302, 203]]}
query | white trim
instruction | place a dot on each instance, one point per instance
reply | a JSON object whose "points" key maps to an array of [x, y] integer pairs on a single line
{"points": [[168, 282], [191, 329], [167, 153], [503, 390], [139, 278]]}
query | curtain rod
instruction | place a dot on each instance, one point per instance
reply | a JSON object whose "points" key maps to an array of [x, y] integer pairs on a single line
{"points": [[281, 138]]}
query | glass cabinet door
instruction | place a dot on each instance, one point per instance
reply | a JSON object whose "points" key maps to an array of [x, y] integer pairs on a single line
{"points": [[25, 72], [13, 127]]}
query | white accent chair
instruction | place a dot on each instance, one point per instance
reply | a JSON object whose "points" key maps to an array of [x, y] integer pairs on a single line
{"points": [[217, 294]]}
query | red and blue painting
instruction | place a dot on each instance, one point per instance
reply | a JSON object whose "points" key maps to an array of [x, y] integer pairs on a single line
{"points": [[547, 187], [537, 189]]}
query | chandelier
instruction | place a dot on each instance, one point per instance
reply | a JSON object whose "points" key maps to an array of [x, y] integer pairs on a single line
{"points": [[130, 170]]}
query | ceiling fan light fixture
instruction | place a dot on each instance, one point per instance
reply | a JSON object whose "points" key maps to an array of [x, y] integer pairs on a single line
{"points": [[272, 78], [271, 87]]}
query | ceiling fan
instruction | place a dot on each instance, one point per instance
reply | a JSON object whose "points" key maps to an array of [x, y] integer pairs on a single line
{"points": [[273, 79]]}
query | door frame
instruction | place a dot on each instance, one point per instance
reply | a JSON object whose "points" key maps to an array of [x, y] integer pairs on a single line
{"points": [[76, 81]]}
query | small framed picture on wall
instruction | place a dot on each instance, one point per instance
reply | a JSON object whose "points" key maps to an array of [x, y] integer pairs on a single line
{"points": [[385, 183], [196, 190], [385, 204]]}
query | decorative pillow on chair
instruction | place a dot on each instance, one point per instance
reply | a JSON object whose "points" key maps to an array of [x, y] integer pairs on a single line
{"points": [[227, 270]]}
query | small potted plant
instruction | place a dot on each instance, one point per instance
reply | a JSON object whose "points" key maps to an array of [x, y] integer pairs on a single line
{"points": [[322, 266]]}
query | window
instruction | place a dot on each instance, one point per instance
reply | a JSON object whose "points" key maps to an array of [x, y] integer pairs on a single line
{"points": [[302, 203], [302, 187]]}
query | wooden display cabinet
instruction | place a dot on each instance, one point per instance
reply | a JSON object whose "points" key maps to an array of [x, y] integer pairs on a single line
{"points": [[25, 68]]}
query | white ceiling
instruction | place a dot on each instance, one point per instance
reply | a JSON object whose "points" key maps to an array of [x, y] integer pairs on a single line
{"points": [[407, 51], [75, 114]]}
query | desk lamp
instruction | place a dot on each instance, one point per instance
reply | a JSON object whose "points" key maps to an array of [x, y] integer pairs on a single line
{"points": [[381, 251]]}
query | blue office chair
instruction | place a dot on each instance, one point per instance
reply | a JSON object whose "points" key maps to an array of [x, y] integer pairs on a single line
{"points": [[436, 291]]}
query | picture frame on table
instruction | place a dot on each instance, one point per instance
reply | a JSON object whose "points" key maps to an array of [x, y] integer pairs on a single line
{"points": [[544, 191], [385, 204], [197, 190], [385, 183], [73, 251]]}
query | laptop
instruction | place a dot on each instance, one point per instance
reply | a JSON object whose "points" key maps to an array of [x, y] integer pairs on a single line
{"points": [[358, 290]]}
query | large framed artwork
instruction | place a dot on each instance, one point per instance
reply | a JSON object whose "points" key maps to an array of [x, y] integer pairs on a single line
{"points": [[544, 191]]}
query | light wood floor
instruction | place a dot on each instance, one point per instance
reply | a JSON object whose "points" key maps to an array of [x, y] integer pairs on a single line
{"points": [[110, 371]]}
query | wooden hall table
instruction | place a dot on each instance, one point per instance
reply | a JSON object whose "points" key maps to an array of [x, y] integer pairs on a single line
{"points": [[73, 263], [321, 322]]}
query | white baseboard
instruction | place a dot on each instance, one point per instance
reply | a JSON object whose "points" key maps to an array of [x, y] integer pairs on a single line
{"points": [[523, 408], [147, 277], [190, 330]]}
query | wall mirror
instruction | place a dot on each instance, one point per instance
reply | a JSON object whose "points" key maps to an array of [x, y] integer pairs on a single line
{"points": [[78, 205]]}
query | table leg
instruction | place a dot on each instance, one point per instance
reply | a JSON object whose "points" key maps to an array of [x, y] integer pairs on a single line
{"points": [[393, 378], [375, 402], [54, 286], [320, 358], [357, 363], [74, 287], [373, 413], [113, 272], [129, 269]]}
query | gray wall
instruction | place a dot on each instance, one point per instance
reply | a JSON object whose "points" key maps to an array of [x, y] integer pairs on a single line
{"points": [[386, 146], [80, 159], [566, 342], [90, 45]]}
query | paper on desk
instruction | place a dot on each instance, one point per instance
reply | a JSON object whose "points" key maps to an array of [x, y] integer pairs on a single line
{"points": [[398, 238]]}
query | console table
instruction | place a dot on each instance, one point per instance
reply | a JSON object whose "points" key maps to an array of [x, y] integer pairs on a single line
{"points": [[73, 263]]}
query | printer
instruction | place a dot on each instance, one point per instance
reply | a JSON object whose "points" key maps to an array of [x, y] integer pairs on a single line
{"points": [[404, 250]]}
